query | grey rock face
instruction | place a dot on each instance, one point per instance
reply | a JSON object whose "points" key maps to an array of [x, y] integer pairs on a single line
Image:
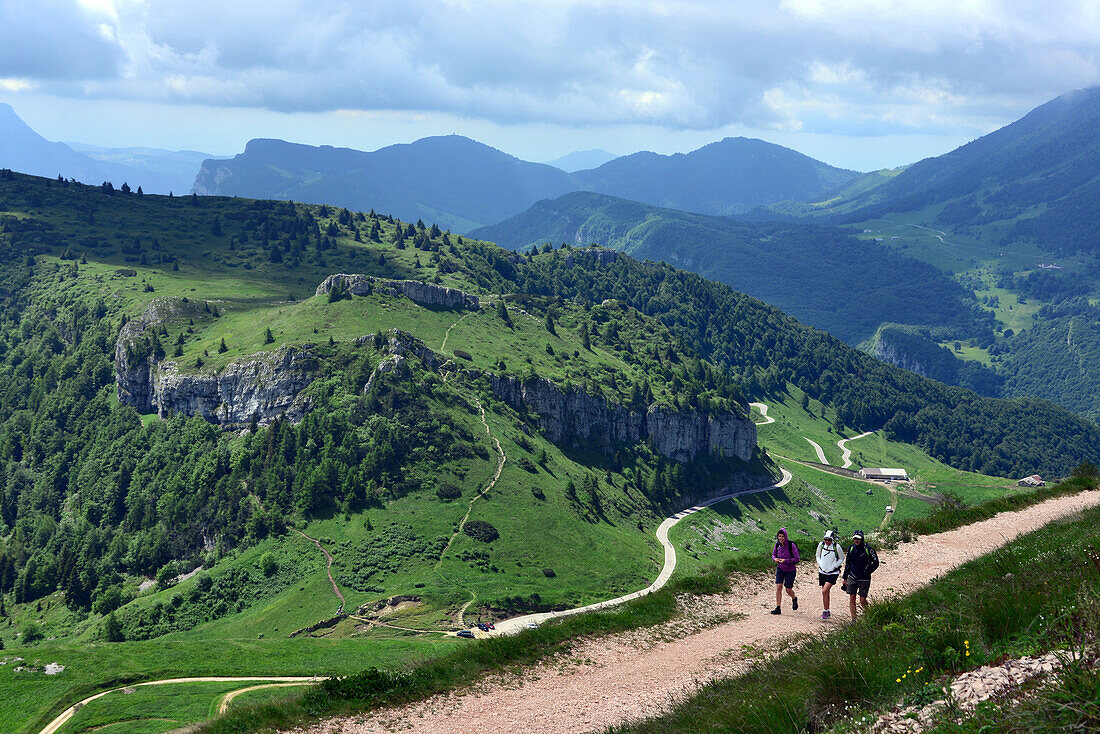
{"points": [[576, 415], [264, 386], [424, 294]]}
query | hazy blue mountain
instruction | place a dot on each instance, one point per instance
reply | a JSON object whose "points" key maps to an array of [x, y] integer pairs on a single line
{"points": [[156, 171], [463, 184], [454, 181], [580, 160], [164, 170], [821, 275], [728, 177]]}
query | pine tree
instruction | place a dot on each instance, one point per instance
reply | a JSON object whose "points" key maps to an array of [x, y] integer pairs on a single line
{"points": [[268, 336], [222, 348]]}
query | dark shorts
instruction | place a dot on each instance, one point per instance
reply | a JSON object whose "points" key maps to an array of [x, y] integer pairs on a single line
{"points": [[784, 577], [862, 586], [827, 578]]}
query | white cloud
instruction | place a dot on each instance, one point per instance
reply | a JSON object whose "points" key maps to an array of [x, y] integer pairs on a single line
{"points": [[686, 64]]}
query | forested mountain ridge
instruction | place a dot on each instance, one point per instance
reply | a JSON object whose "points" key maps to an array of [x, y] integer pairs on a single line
{"points": [[455, 181], [821, 275], [730, 176], [463, 184], [1035, 180]]}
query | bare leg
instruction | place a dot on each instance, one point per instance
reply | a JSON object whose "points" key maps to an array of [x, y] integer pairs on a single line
{"points": [[863, 603], [790, 593], [852, 605], [825, 596], [779, 595]]}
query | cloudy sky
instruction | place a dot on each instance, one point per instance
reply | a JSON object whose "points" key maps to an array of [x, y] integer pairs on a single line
{"points": [[859, 83]]}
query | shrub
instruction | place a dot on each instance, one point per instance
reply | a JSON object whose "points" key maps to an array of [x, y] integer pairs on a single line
{"points": [[463, 355], [268, 564], [548, 573], [448, 491], [481, 530]]}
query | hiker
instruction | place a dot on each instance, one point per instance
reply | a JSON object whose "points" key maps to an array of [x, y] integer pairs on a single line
{"points": [[858, 567], [830, 559], [785, 555]]}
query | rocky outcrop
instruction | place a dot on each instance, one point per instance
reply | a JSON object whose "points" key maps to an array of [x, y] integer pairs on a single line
{"points": [[599, 255], [575, 415], [424, 294], [262, 387]]}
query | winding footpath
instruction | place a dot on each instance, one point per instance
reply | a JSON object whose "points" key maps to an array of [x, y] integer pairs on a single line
{"points": [[818, 449], [846, 453], [610, 681], [518, 624], [763, 413], [328, 569], [470, 508], [67, 714]]}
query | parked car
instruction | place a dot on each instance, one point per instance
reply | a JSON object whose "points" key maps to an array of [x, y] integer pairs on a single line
{"points": [[466, 633], [483, 627], [532, 625]]}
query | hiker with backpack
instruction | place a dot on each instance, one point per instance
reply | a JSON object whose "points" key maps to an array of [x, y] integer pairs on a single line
{"points": [[830, 559], [785, 555], [861, 562]]}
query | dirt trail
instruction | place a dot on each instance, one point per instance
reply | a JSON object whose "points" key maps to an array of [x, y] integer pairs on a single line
{"points": [[470, 508], [67, 714], [613, 680], [328, 569]]}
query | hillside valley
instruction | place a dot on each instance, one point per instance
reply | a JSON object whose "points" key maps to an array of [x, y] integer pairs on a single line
{"points": [[200, 391]]}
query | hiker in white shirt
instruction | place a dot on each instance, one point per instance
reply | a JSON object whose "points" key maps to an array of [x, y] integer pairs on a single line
{"points": [[830, 559]]}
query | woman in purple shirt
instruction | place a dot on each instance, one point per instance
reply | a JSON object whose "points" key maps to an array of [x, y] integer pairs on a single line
{"points": [[785, 555]]}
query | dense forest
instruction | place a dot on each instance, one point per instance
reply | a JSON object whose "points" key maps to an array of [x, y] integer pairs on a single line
{"points": [[766, 349], [822, 276]]}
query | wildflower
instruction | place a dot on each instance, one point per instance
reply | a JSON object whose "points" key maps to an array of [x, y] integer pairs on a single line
{"points": [[898, 680]]}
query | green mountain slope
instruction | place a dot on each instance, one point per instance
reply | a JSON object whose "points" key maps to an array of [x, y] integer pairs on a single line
{"points": [[820, 275], [459, 460]]}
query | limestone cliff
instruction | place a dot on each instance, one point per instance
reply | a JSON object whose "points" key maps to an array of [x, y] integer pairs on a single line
{"points": [[424, 294], [576, 416], [270, 385], [261, 387]]}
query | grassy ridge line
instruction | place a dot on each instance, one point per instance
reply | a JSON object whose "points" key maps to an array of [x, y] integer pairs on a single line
{"points": [[375, 688], [906, 648]]}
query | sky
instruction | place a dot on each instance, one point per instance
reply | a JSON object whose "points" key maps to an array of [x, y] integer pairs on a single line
{"points": [[861, 84]]}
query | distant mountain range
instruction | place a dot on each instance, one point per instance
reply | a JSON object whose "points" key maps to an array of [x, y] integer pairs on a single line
{"points": [[462, 184], [156, 171], [822, 275], [580, 160], [453, 181]]}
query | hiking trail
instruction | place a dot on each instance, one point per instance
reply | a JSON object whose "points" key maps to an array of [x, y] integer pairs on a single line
{"points": [[328, 569], [640, 673], [846, 453]]}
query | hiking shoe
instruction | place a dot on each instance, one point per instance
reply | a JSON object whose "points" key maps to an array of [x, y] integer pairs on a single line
{"points": [[825, 614], [777, 610], [794, 605]]}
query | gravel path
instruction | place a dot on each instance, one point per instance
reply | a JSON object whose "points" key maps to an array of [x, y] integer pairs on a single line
{"points": [[328, 569], [763, 413], [612, 680], [819, 450], [846, 453]]}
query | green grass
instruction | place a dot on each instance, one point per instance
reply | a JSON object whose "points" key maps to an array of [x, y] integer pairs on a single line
{"points": [[908, 647], [33, 699], [150, 709]]}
